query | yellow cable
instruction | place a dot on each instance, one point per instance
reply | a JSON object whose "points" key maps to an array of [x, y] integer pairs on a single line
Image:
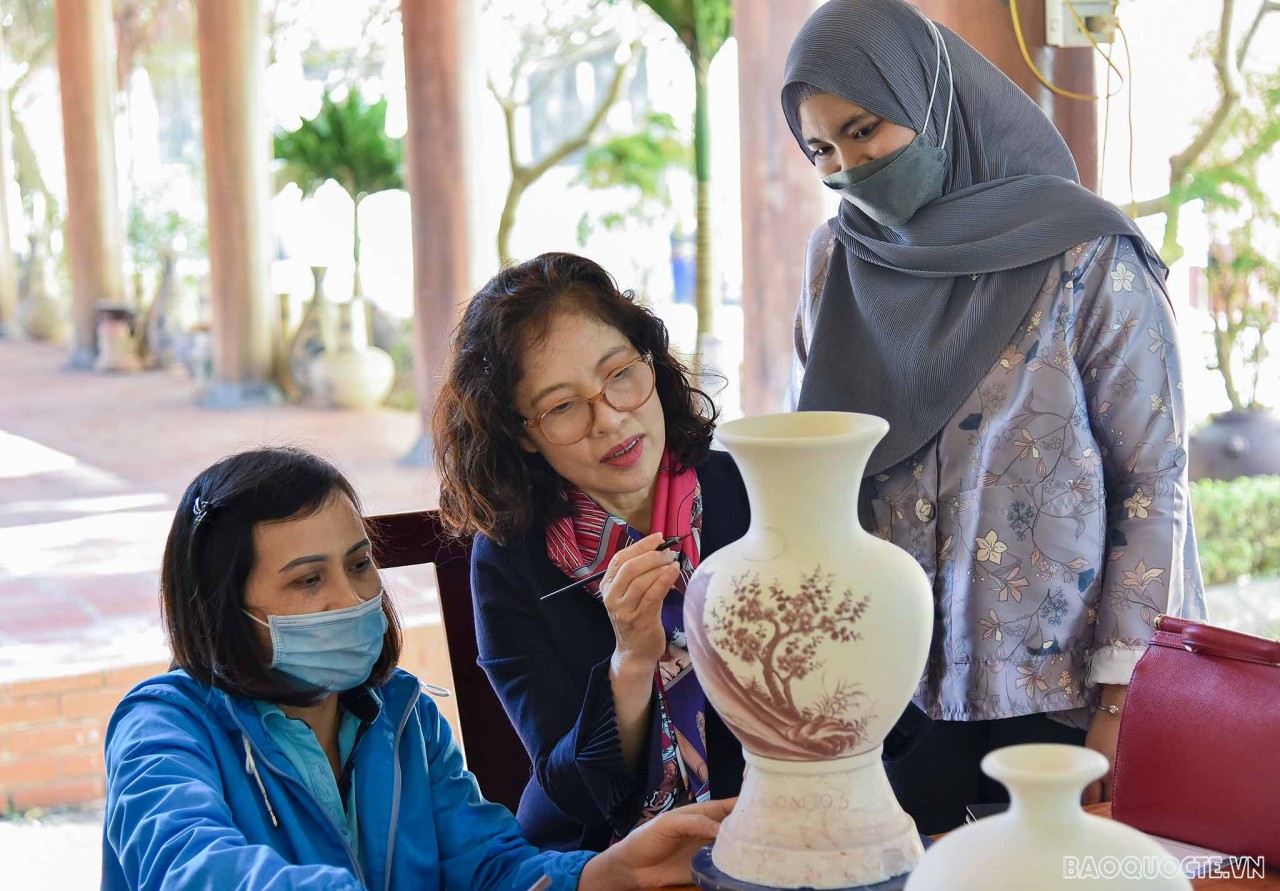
{"points": [[1106, 128], [1128, 65], [1026, 56]]}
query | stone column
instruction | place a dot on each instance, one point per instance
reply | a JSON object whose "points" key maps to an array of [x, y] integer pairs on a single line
{"points": [[782, 199], [237, 152], [986, 25], [435, 174], [86, 75], [8, 274]]}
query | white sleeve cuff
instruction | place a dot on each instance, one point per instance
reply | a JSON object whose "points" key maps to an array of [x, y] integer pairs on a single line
{"points": [[1113, 664]]}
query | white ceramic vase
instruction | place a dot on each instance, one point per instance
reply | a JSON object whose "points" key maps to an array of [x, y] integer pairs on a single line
{"points": [[314, 336], [1045, 840], [355, 375], [41, 315], [809, 637]]}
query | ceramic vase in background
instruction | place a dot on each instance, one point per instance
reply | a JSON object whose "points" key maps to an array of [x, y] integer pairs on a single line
{"points": [[290, 316], [355, 374], [1045, 840], [40, 314], [315, 335], [810, 636], [160, 328]]}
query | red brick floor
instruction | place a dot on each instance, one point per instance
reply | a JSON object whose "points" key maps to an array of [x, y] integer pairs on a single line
{"points": [[91, 467]]}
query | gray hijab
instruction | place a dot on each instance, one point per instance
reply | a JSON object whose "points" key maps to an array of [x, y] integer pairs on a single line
{"points": [[913, 317]]}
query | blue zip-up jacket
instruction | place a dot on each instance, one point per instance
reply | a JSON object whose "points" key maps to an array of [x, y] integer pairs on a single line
{"points": [[199, 797]]}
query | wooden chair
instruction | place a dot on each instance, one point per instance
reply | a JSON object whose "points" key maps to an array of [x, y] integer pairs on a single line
{"points": [[494, 752]]}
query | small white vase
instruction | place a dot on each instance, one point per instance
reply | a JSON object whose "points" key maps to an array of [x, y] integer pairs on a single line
{"points": [[809, 637], [1045, 840]]}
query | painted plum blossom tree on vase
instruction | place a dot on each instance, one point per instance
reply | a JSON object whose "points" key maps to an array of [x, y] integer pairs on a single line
{"points": [[779, 636]]}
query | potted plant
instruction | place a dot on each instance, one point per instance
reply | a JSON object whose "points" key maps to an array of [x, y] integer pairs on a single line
{"points": [[347, 142], [1243, 287]]}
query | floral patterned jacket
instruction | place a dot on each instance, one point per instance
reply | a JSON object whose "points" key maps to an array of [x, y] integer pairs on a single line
{"points": [[1052, 513]]}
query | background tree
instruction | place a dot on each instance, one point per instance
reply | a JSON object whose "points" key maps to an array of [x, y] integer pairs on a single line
{"points": [[347, 142], [703, 26], [1242, 316], [375, 25], [638, 163], [155, 37], [28, 39], [1198, 171], [1242, 276], [550, 37]]}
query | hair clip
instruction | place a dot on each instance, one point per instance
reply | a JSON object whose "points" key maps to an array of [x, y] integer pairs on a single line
{"points": [[199, 509]]}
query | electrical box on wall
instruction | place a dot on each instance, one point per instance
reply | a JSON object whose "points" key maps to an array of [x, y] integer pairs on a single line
{"points": [[1061, 28]]}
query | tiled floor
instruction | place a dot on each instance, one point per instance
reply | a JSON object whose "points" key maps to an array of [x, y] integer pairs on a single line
{"points": [[91, 467]]}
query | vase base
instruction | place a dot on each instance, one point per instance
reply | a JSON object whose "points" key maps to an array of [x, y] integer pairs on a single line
{"points": [[709, 878]]}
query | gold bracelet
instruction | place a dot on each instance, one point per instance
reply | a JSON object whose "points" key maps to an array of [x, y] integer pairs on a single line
{"points": [[1109, 709]]}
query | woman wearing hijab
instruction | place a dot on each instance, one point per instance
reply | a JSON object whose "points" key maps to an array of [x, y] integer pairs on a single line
{"points": [[1015, 331]]}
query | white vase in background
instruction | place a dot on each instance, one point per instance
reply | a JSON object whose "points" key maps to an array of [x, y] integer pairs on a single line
{"points": [[355, 375], [314, 336], [40, 314], [1045, 840], [159, 328], [809, 636]]}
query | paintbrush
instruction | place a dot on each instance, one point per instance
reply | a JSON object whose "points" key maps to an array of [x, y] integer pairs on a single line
{"points": [[667, 544]]}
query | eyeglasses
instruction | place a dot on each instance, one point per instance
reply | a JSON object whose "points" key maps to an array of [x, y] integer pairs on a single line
{"points": [[626, 389]]}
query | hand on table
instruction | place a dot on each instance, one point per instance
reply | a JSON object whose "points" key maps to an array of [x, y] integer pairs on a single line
{"points": [[657, 854]]}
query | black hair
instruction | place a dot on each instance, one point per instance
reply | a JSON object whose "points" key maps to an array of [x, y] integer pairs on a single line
{"points": [[210, 554]]}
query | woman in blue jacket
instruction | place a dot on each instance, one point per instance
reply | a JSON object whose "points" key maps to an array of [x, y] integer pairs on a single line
{"points": [[285, 750]]}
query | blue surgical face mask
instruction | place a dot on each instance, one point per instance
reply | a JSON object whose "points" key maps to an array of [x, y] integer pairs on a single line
{"points": [[891, 189], [333, 650]]}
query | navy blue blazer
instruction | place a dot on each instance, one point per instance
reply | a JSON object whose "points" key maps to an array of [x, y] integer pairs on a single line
{"points": [[548, 661]]}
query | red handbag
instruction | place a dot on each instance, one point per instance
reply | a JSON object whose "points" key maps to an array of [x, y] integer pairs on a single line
{"points": [[1198, 756]]}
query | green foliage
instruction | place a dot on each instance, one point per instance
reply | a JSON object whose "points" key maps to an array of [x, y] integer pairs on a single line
{"points": [[1243, 280], [638, 162], [151, 229], [1227, 179], [639, 159], [1237, 527], [703, 26], [154, 224], [346, 142]]}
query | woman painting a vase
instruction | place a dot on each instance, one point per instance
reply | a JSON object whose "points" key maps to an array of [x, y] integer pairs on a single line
{"points": [[572, 441]]}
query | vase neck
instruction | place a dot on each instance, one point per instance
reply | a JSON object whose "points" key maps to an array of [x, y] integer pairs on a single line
{"points": [[1045, 780], [353, 331], [808, 485], [1046, 803]]}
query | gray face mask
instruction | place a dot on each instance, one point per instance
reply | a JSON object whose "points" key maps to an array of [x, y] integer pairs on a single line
{"points": [[890, 189]]}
